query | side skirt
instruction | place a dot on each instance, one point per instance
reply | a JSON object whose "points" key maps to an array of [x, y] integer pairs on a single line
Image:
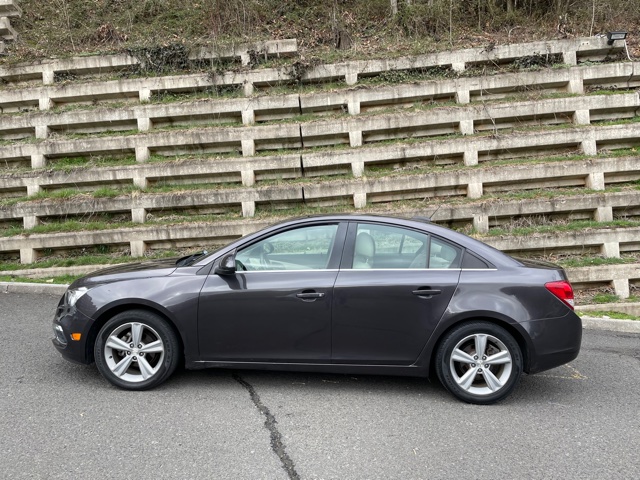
{"points": [[399, 370]]}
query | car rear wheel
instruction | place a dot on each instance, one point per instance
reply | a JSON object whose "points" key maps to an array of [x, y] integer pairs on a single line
{"points": [[136, 350], [479, 362]]}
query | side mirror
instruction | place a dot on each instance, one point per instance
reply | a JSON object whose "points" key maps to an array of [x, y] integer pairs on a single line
{"points": [[227, 265]]}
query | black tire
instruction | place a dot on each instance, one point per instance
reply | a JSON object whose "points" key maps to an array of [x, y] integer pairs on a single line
{"points": [[142, 366], [465, 374]]}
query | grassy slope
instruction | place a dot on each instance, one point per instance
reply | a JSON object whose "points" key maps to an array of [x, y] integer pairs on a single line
{"points": [[71, 27]]}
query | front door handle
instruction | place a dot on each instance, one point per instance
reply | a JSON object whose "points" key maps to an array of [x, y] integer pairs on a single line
{"points": [[426, 292], [310, 295]]}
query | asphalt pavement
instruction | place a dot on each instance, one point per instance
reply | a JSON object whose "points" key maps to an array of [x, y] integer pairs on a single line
{"points": [[61, 420]]}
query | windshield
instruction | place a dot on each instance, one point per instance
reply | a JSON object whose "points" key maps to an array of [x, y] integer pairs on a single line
{"points": [[197, 257]]}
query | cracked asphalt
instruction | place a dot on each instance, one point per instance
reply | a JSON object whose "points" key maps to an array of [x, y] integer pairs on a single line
{"points": [[61, 420]]}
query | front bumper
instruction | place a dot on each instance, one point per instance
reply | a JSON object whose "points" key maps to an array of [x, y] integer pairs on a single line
{"points": [[555, 341], [67, 321]]}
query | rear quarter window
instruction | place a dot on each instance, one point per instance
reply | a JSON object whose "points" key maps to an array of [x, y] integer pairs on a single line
{"points": [[470, 261]]}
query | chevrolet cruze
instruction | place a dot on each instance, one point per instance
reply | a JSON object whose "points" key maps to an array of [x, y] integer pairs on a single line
{"points": [[342, 293]]}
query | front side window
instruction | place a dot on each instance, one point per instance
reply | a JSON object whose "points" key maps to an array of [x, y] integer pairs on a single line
{"points": [[306, 248]]}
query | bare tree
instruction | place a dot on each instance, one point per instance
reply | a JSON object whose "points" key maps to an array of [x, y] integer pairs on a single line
{"points": [[394, 7], [510, 6]]}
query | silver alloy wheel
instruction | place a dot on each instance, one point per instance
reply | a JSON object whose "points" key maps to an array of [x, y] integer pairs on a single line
{"points": [[134, 352], [480, 364]]}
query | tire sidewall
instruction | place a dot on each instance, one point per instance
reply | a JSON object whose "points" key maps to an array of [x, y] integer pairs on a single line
{"points": [[165, 333], [445, 351]]}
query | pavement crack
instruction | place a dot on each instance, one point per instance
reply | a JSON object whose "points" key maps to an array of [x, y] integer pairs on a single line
{"points": [[270, 423]]}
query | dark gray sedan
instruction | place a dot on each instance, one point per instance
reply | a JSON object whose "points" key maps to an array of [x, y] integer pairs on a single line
{"points": [[343, 293]]}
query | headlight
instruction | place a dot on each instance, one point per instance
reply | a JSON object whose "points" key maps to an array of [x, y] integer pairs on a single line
{"points": [[74, 295]]}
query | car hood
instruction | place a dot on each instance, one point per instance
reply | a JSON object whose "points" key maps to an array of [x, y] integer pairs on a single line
{"points": [[155, 268]]}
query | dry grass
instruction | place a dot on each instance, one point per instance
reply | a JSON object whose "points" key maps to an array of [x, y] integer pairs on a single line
{"points": [[325, 30]]}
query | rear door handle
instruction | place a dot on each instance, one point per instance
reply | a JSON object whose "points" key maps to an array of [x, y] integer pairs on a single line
{"points": [[426, 292]]}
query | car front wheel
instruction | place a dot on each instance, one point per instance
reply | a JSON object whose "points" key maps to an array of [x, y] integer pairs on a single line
{"points": [[479, 362], [136, 350]]}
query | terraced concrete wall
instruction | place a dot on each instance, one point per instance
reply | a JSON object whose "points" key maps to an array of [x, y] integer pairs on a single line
{"points": [[8, 9], [570, 80], [342, 138], [596, 174], [46, 71]]}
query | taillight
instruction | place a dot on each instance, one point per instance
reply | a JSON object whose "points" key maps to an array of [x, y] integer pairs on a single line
{"points": [[563, 291]]}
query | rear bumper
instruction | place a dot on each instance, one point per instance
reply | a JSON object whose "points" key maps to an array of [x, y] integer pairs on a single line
{"points": [[554, 341]]}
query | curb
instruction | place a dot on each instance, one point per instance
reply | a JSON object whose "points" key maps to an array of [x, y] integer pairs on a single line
{"points": [[37, 288], [588, 323], [612, 325], [629, 308]]}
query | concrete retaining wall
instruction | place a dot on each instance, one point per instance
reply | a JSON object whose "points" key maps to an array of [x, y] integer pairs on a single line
{"points": [[463, 90], [357, 130], [138, 239], [472, 183], [595, 174], [609, 242], [470, 119], [400, 183], [482, 215], [574, 80], [7, 33], [245, 170], [8, 8], [618, 276], [473, 150], [146, 117], [246, 140], [45, 71], [572, 50], [249, 140]]}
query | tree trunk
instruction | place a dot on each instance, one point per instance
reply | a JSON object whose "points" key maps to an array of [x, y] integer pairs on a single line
{"points": [[343, 40]]}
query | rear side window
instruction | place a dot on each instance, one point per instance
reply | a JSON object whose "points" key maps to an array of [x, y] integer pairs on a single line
{"points": [[444, 254], [385, 246]]}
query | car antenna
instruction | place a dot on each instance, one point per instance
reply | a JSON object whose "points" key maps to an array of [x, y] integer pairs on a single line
{"points": [[427, 218]]}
